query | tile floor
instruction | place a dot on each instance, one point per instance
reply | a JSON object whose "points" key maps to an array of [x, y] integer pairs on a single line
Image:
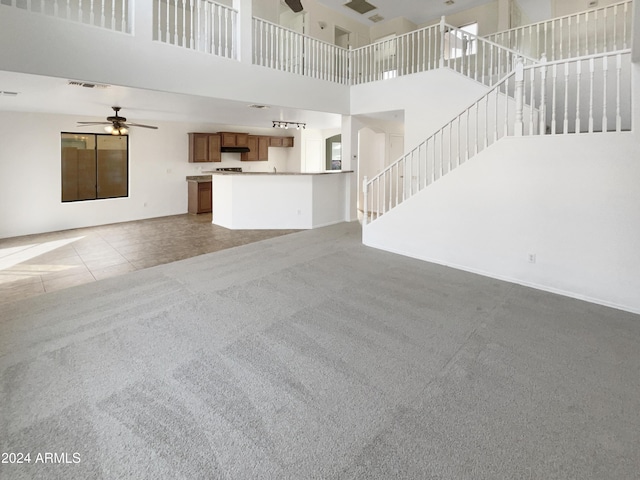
{"points": [[35, 264]]}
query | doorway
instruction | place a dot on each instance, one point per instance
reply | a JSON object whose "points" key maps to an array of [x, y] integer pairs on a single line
{"points": [[334, 153], [342, 37]]}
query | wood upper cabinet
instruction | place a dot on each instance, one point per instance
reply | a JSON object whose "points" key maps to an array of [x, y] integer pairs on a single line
{"points": [[204, 147], [281, 141], [234, 139], [258, 149]]}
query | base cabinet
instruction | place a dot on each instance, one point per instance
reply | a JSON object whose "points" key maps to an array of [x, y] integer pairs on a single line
{"points": [[199, 197]]}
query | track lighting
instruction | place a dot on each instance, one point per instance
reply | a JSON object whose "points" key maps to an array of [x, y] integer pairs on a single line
{"points": [[280, 124]]}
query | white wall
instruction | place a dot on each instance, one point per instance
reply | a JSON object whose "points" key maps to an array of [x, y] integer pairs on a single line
{"points": [[573, 201], [30, 191], [429, 100], [395, 26]]}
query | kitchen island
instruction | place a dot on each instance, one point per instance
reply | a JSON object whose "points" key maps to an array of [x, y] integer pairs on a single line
{"points": [[283, 200]]}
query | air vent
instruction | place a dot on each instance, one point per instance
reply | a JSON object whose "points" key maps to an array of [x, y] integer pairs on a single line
{"points": [[360, 6], [4, 93], [449, 2], [74, 83], [376, 18]]}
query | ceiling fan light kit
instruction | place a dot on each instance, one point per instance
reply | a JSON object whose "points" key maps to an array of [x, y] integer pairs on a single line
{"points": [[116, 125]]}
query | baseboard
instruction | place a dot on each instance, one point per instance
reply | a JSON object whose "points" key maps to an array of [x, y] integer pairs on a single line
{"points": [[544, 288]]}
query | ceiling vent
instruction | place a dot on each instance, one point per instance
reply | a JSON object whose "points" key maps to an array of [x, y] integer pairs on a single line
{"points": [[4, 93], [449, 2], [360, 6], [74, 83], [376, 18]]}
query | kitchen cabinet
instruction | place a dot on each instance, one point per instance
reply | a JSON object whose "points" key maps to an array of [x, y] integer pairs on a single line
{"points": [[258, 149], [234, 139], [204, 147], [281, 141], [199, 197]]}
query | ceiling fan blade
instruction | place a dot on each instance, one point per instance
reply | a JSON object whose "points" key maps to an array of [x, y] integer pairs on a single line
{"points": [[294, 5], [140, 125], [94, 123]]}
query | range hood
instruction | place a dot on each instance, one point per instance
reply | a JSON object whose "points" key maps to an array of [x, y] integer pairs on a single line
{"points": [[235, 149]]}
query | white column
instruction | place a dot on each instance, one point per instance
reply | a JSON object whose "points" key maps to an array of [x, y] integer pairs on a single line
{"points": [[519, 94], [245, 29]]}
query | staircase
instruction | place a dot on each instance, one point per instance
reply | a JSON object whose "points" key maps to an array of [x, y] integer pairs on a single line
{"points": [[585, 87]]}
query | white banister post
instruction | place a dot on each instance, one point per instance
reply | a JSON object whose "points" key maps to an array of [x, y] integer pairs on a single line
{"points": [[442, 31], [543, 95], [244, 36], [519, 94], [365, 194]]}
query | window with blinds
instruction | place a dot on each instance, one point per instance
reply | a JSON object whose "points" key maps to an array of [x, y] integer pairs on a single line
{"points": [[94, 166]]}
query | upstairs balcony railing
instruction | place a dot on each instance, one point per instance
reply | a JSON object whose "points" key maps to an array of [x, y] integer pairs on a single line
{"points": [[594, 31], [200, 25], [283, 49], [110, 14], [213, 28]]}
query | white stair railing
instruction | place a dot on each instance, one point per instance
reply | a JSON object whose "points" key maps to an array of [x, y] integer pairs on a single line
{"points": [[109, 14], [476, 57], [200, 25], [594, 31], [283, 49], [589, 94]]}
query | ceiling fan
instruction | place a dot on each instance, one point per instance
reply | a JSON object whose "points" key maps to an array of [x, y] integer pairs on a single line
{"points": [[116, 125], [294, 5]]}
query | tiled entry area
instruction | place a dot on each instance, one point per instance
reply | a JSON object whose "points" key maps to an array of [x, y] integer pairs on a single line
{"points": [[36, 264]]}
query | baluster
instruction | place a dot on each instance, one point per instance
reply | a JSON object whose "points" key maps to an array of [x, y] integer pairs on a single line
{"points": [[618, 87], [225, 34], [586, 33], [604, 30], [595, 32], [569, 38], [184, 23], [466, 142], [605, 72], [92, 18], [553, 40], [615, 27], [175, 22], [365, 195], [624, 24], [554, 76], [383, 178], [506, 106], [578, 82], [491, 49], [113, 14], [103, 17], [532, 100], [459, 142], [167, 37], [565, 124], [496, 107], [191, 24], [125, 16], [80, 12], [591, 74], [543, 97], [486, 120], [578, 35]]}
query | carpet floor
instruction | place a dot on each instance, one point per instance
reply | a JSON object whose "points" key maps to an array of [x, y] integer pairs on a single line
{"points": [[311, 356]]}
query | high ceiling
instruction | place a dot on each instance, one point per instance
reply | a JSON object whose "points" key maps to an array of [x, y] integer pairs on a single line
{"points": [[418, 11]]}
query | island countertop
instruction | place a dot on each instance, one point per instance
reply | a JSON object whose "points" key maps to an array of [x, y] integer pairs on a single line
{"points": [[328, 172]]}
